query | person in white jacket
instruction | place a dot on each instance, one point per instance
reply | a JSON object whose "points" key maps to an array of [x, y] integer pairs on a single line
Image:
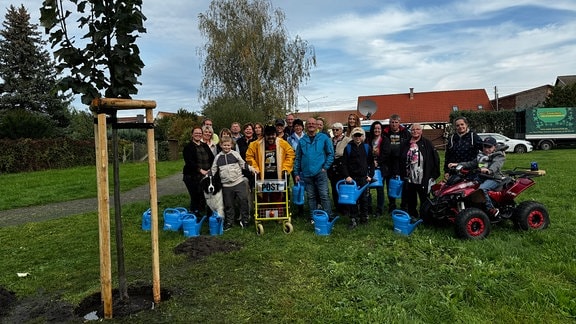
{"points": [[230, 165]]}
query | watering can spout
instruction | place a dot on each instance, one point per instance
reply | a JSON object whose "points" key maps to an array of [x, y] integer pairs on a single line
{"points": [[201, 221], [333, 221]]}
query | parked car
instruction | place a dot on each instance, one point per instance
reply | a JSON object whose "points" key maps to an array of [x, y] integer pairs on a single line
{"points": [[514, 145]]}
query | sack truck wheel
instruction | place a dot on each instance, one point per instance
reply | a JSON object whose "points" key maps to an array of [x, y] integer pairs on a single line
{"points": [[472, 223], [288, 228], [259, 229], [531, 215]]}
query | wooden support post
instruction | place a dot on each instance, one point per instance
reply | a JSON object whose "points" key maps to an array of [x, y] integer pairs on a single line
{"points": [[100, 107], [153, 208], [100, 137]]}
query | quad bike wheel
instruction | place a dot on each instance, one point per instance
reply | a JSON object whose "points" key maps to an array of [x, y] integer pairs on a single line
{"points": [[426, 214], [259, 229], [531, 215], [472, 223], [288, 228]]}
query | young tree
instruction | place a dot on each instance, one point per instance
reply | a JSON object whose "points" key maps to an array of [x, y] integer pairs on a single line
{"points": [[249, 56], [27, 77], [110, 59]]}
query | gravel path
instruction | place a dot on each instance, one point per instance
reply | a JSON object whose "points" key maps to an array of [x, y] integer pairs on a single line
{"points": [[171, 185]]}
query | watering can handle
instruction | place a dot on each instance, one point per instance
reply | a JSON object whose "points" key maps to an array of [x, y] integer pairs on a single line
{"points": [[339, 183]]}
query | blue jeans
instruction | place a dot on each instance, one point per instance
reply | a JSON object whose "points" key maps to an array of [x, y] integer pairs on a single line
{"points": [[486, 186], [318, 184]]}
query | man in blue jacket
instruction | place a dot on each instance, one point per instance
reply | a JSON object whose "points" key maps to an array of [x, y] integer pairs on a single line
{"points": [[314, 156]]}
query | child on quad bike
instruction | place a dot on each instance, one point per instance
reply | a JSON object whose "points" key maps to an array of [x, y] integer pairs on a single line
{"points": [[490, 162]]}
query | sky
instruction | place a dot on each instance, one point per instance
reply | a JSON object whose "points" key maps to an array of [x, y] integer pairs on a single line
{"points": [[373, 47]]}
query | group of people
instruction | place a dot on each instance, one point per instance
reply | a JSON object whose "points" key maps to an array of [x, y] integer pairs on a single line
{"points": [[305, 152]]}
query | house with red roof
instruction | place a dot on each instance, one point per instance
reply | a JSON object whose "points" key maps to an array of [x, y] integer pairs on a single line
{"points": [[432, 107]]}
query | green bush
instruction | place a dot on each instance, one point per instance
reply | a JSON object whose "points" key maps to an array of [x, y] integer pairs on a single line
{"points": [[32, 155]]}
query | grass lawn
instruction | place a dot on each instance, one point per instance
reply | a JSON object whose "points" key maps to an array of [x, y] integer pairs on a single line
{"points": [[369, 275], [44, 187]]}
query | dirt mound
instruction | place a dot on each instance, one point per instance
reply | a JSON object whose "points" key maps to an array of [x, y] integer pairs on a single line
{"points": [[7, 298], [199, 247], [50, 309]]}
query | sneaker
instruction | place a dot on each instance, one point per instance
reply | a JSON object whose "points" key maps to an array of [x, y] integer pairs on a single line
{"points": [[352, 224], [493, 212], [243, 224], [227, 227]]}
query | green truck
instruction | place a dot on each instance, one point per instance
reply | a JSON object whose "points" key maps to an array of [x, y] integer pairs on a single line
{"points": [[546, 128]]}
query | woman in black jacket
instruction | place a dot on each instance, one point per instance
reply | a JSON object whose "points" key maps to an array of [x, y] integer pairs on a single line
{"points": [[381, 151], [198, 158]]}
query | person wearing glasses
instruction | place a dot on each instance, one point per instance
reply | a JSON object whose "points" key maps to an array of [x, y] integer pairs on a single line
{"points": [[397, 134], [314, 156], [420, 166], [462, 146], [198, 158], [339, 141]]}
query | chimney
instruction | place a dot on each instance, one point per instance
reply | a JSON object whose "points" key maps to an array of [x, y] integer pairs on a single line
{"points": [[411, 93]]}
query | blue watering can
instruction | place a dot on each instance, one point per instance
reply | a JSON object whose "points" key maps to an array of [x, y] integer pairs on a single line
{"points": [[216, 224], [322, 223], [173, 218], [190, 225], [402, 222], [348, 193], [395, 187], [377, 180], [146, 220], [298, 193]]}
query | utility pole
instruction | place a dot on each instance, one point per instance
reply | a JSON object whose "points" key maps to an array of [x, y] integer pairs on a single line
{"points": [[309, 101], [496, 96]]}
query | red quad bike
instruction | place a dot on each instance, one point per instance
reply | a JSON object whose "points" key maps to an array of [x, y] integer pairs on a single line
{"points": [[458, 201]]}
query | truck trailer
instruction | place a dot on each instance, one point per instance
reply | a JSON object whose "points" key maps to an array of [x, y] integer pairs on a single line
{"points": [[546, 128]]}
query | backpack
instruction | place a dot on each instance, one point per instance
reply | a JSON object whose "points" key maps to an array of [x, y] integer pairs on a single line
{"points": [[349, 148]]}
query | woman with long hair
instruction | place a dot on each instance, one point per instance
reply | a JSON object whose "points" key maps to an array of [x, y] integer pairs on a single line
{"points": [[380, 150], [198, 158], [353, 121], [258, 131]]}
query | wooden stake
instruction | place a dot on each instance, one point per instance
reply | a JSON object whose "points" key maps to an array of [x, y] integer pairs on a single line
{"points": [[104, 214], [153, 208]]}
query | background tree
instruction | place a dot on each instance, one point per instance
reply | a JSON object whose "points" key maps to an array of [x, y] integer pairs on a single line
{"points": [[224, 111], [562, 96], [249, 57], [27, 80], [110, 59]]}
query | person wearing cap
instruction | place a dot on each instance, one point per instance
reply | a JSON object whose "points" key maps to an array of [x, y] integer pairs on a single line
{"points": [[339, 142], [279, 123], [490, 162], [314, 156], [420, 166], [358, 166], [463, 145]]}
